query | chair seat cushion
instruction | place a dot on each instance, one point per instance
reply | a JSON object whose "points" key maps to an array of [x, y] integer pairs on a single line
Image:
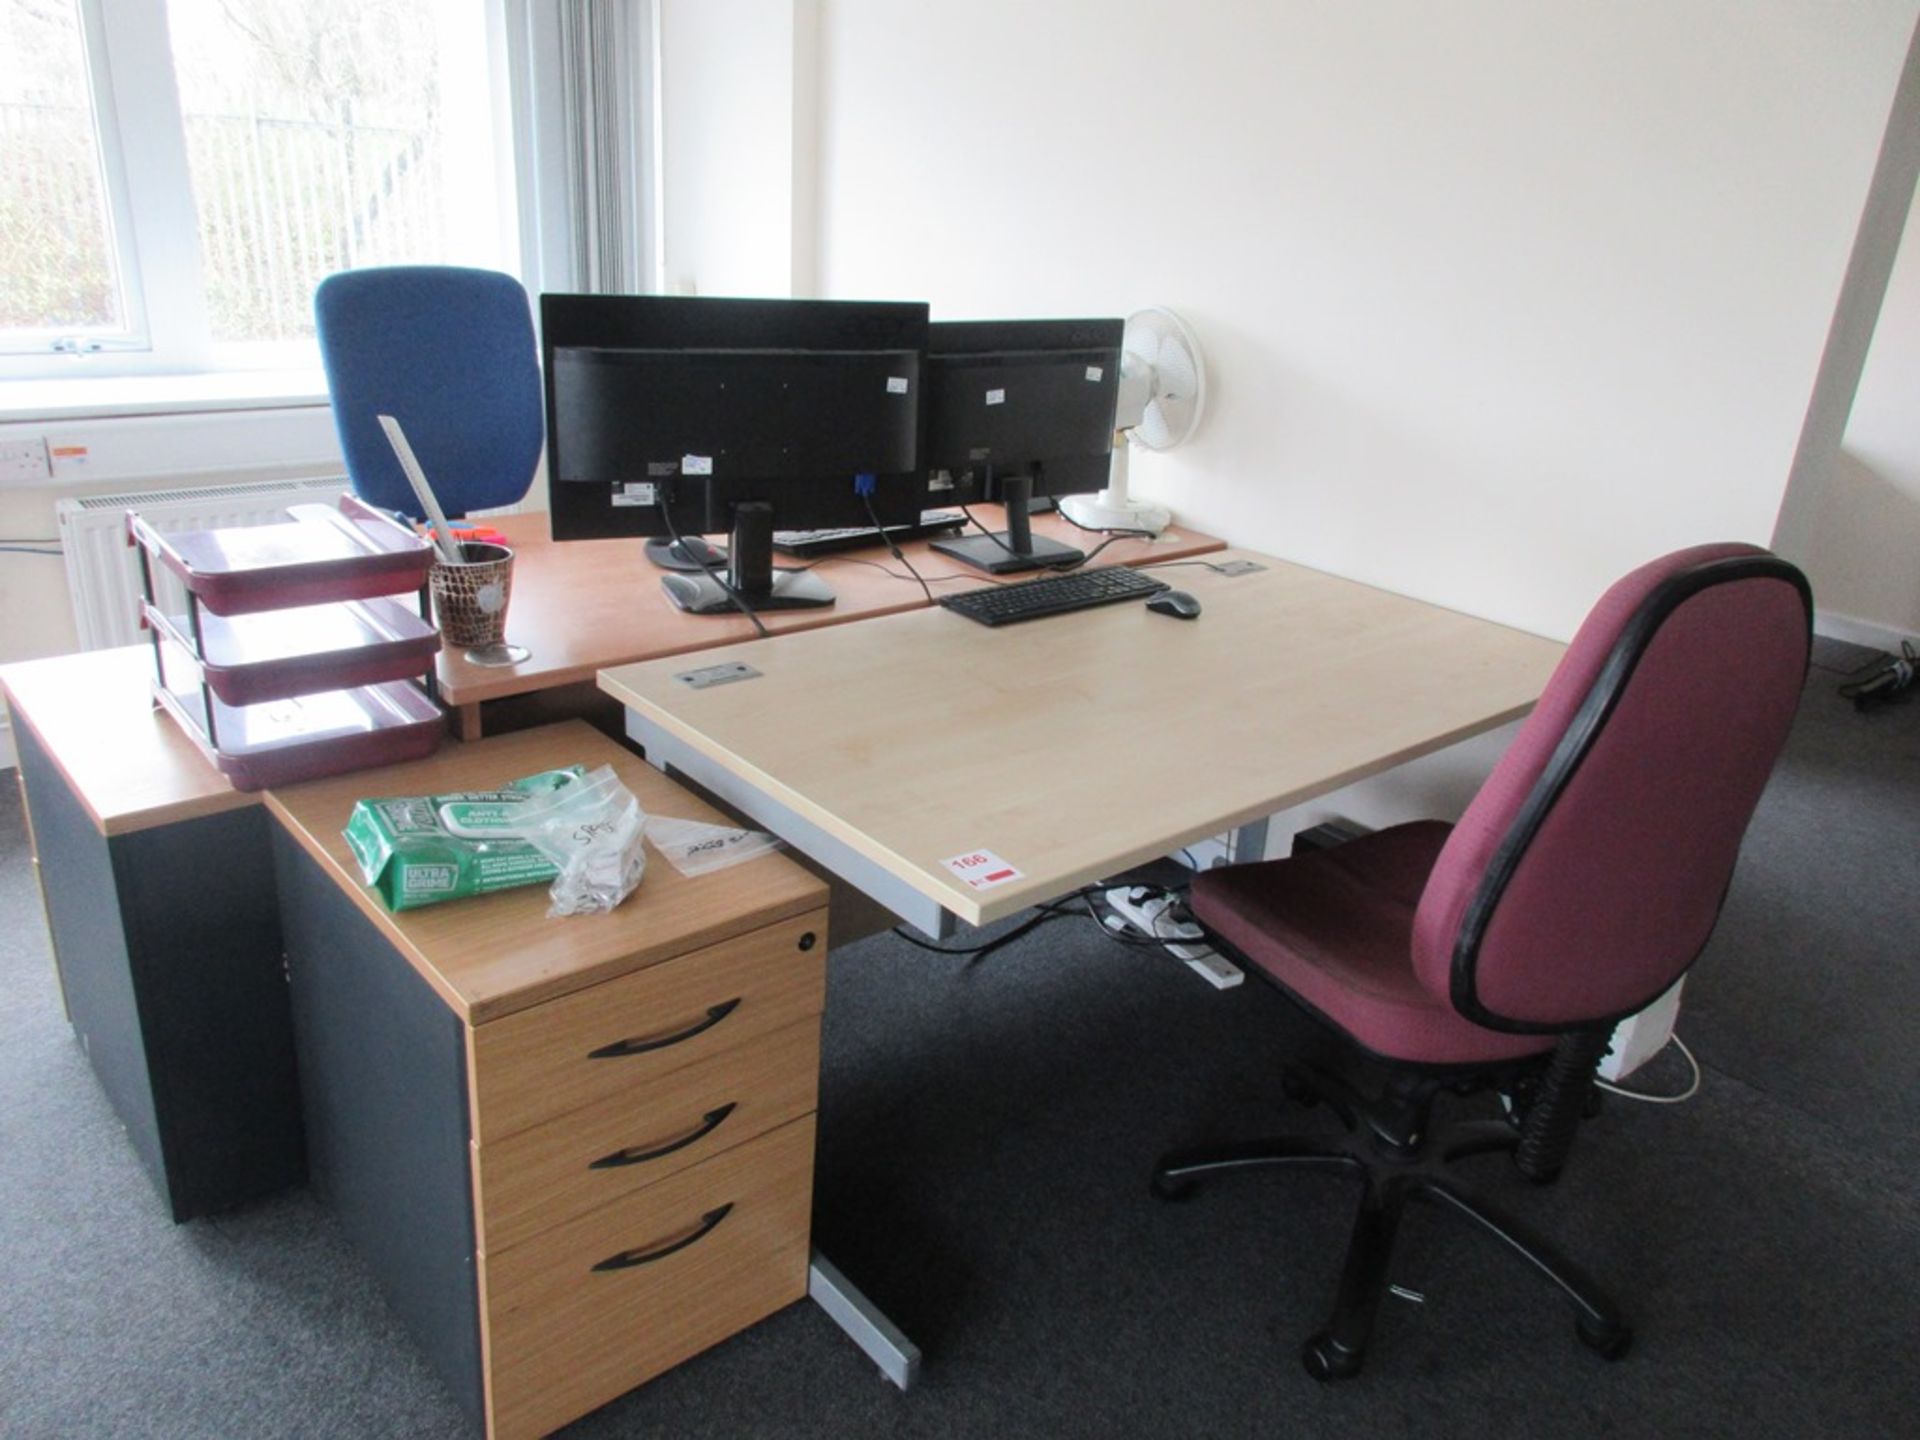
{"points": [[1335, 927]]}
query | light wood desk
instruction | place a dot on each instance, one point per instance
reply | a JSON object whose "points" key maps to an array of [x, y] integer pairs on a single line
{"points": [[1075, 746], [1071, 747], [582, 606], [129, 820], [129, 766]]}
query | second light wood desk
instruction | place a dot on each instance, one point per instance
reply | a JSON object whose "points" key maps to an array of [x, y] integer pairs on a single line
{"points": [[1076, 746], [582, 606]]}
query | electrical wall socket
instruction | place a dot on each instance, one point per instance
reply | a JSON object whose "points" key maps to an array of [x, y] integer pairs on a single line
{"points": [[24, 462]]}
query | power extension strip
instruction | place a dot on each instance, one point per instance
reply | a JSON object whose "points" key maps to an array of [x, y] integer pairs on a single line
{"points": [[1149, 912]]}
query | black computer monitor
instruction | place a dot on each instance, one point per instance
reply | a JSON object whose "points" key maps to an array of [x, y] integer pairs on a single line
{"points": [[669, 416], [1016, 409]]}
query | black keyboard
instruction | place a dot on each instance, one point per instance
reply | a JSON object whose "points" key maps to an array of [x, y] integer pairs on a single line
{"points": [[856, 537], [1056, 595]]}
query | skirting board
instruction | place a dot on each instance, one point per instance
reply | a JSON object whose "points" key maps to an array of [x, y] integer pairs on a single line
{"points": [[1834, 626]]}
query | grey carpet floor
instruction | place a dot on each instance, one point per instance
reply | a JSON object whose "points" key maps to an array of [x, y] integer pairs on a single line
{"points": [[985, 1135]]}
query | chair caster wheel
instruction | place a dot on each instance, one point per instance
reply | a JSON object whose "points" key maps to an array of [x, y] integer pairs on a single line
{"points": [[1327, 1360], [1609, 1342], [1171, 1189]]}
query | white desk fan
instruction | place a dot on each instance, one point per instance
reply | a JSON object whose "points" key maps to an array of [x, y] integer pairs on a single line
{"points": [[1163, 392]]}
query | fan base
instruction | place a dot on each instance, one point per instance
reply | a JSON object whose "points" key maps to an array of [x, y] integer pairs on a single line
{"points": [[1095, 513]]}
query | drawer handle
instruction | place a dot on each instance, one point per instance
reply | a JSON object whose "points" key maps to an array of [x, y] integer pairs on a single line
{"points": [[709, 1123], [715, 1015], [627, 1259]]}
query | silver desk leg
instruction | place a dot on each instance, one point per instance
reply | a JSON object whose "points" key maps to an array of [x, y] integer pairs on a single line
{"points": [[896, 1355], [1249, 842]]}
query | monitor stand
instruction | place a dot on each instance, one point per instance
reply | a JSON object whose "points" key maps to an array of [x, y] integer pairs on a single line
{"points": [[750, 573], [689, 552], [1016, 548]]}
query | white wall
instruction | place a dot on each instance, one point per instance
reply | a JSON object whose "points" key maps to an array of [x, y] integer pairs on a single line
{"points": [[732, 126], [137, 452], [1502, 296], [1851, 516], [1857, 518]]}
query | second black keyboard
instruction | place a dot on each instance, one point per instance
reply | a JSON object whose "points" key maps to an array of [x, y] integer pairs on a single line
{"points": [[1055, 595], [808, 543]]}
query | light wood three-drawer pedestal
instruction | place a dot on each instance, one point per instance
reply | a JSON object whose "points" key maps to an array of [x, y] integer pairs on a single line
{"points": [[575, 1151]]}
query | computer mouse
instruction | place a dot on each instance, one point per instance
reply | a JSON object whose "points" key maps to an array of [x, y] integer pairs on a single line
{"points": [[1177, 603]]}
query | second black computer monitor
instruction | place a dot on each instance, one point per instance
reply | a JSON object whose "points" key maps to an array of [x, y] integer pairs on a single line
{"points": [[1014, 409]]}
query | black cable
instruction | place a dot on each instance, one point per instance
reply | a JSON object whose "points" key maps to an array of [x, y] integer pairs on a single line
{"points": [[901, 932], [1885, 680], [1163, 564], [1117, 532], [971, 577], [866, 499], [712, 574], [1111, 534], [1141, 942], [1063, 908], [986, 484], [1065, 567], [1051, 910], [1137, 941], [979, 525], [1088, 557], [974, 954], [11, 549], [1060, 569], [1046, 911]]}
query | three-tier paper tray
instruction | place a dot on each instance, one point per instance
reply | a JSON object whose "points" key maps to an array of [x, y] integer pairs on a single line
{"points": [[303, 649]]}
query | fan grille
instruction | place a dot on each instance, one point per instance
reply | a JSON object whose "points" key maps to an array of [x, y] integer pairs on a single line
{"points": [[1169, 351]]}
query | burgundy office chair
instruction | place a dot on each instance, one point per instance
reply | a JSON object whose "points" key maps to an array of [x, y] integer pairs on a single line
{"points": [[1499, 953]]}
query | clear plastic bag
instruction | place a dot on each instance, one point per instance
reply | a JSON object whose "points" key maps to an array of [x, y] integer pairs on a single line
{"points": [[694, 848], [592, 830]]}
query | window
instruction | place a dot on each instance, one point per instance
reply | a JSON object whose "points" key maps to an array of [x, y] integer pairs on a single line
{"points": [[64, 274], [175, 179]]}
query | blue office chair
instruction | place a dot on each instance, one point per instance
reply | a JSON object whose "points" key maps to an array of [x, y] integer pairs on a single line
{"points": [[448, 352]]}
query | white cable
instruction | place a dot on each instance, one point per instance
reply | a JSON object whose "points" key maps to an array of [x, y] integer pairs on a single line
{"points": [[1686, 1094]]}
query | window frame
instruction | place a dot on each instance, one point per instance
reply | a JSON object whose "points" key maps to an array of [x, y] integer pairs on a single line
{"points": [[153, 220], [35, 345]]}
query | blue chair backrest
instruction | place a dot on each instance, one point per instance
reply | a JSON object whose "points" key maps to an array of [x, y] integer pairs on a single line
{"points": [[449, 353]]}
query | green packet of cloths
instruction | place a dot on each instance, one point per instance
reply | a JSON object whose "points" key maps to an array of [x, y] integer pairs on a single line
{"points": [[421, 849]]}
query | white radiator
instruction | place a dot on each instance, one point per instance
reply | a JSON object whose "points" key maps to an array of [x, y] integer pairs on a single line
{"points": [[103, 569]]}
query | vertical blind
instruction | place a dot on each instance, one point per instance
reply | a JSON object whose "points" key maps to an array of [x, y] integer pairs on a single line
{"points": [[601, 82]]}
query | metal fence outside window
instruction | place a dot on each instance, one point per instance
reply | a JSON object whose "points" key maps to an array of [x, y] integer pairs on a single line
{"points": [[281, 203]]}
